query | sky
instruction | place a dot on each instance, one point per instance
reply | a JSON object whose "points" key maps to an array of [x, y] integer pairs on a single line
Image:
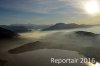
{"points": [[45, 12]]}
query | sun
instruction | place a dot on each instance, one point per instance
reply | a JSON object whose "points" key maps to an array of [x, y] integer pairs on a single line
{"points": [[92, 7]]}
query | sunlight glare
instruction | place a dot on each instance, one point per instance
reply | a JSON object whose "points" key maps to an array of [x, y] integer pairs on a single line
{"points": [[92, 7], [97, 64]]}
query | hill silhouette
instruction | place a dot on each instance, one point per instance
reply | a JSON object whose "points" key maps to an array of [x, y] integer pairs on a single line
{"points": [[60, 26], [5, 33]]}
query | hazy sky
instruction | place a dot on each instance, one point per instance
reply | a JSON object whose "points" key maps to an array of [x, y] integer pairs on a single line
{"points": [[45, 12]]}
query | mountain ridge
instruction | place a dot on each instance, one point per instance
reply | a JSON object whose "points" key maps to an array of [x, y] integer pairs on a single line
{"points": [[60, 26]]}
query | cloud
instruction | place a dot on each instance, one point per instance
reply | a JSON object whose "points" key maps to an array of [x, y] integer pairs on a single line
{"points": [[43, 11], [41, 6]]}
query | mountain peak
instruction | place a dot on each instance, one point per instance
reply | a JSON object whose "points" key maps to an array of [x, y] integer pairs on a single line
{"points": [[61, 26]]}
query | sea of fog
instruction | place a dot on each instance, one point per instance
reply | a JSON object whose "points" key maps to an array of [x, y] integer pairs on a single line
{"points": [[60, 44]]}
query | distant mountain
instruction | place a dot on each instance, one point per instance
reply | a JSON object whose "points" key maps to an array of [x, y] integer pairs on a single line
{"points": [[31, 26], [19, 28], [60, 26], [5, 33]]}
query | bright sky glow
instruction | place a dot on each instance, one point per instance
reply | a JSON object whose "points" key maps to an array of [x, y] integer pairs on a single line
{"points": [[92, 7], [97, 64]]}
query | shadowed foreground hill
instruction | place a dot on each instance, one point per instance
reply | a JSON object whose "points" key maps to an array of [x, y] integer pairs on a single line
{"points": [[2, 62], [5, 33], [84, 33], [26, 47]]}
